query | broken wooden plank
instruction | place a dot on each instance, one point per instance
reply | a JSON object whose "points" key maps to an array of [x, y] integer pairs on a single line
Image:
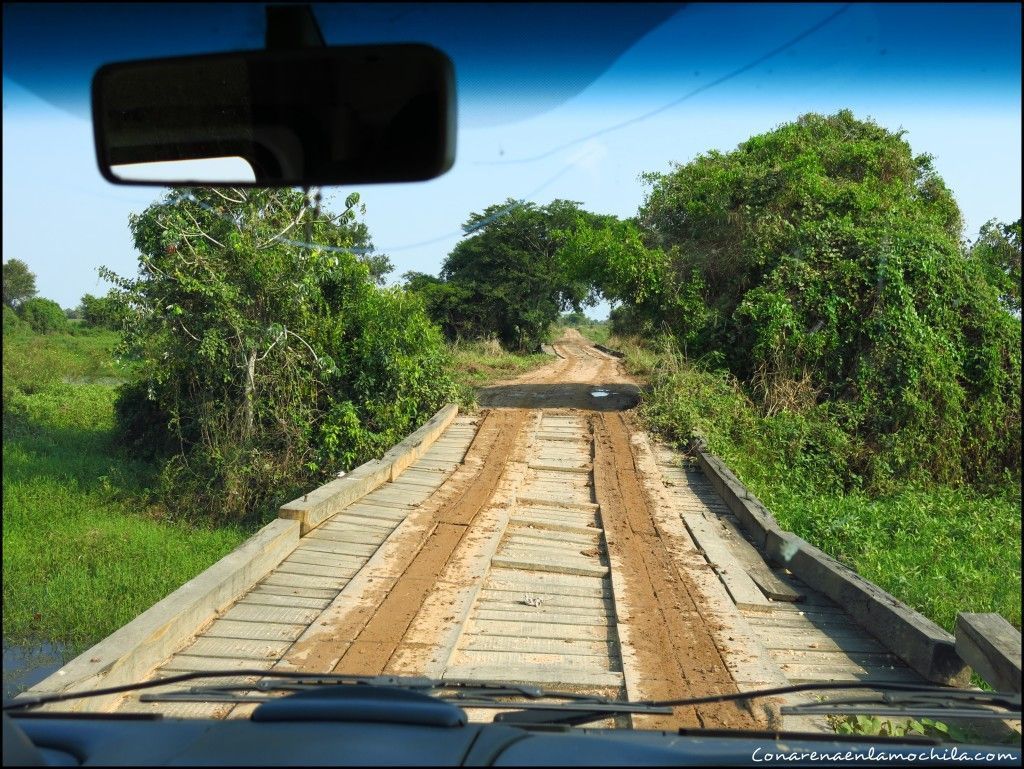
{"points": [[772, 586]]}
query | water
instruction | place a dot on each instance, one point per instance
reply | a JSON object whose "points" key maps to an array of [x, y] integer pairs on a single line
{"points": [[25, 666]]}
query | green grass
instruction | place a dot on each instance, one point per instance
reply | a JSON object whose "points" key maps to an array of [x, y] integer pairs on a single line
{"points": [[478, 364], [939, 549], [84, 551], [33, 362]]}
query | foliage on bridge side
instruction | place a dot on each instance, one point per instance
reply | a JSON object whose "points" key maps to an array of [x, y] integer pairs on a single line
{"points": [[821, 265], [265, 366], [940, 549]]}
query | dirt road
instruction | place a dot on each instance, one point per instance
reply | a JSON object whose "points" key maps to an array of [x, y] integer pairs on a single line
{"points": [[540, 560]]}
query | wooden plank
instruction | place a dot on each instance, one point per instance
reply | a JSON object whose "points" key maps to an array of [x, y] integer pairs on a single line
{"points": [[781, 608], [429, 463], [254, 598], [572, 553], [482, 614], [543, 502], [187, 663], [771, 585], [564, 615], [246, 612], [522, 657], [541, 563], [585, 539], [569, 646], [359, 525], [990, 645], [820, 642], [564, 584], [254, 631], [513, 629], [579, 466], [316, 569], [237, 648], [536, 521], [290, 591], [342, 538], [358, 520], [771, 620], [421, 481], [310, 555], [568, 676], [745, 594], [305, 580], [836, 659], [396, 505]]}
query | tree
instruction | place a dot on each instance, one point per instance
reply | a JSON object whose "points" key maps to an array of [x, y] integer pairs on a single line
{"points": [[821, 263], [506, 274], [997, 250], [101, 312], [19, 283], [265, 365]]}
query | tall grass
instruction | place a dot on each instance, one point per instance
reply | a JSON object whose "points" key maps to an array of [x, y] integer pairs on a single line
{"points": [[84, 551], [479, 363], [940, 549]]}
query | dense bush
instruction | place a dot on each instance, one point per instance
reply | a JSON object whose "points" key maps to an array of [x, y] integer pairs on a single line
{"points": [[264, 366], [821, 264], [12, 323], [44, 316], [101, 312]]}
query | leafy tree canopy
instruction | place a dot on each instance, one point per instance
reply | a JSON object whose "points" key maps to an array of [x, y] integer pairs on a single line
{"points": [[19, 283], [821, 263], [101, 312], [504, 278], [997, 249]]}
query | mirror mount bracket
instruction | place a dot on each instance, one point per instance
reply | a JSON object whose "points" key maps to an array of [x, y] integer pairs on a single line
{"points": [[292, 26]]}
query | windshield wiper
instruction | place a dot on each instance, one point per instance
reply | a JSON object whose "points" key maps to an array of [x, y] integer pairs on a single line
{"points": [[949, 704], [543, 706]]}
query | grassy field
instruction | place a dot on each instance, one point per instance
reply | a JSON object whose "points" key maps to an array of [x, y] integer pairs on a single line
{"points": [[938, 549], [83, 550]]}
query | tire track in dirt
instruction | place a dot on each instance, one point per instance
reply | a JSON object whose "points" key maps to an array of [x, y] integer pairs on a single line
{"points": [[673, 648], [373, 645]]}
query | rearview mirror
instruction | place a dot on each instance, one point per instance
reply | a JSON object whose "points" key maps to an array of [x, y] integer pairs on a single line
{"points": [[319, 116]]}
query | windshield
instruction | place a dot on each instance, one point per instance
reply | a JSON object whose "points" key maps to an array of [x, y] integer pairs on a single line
{"points": [[792, 232]]}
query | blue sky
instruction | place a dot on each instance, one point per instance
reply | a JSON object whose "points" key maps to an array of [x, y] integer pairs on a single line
{"points": [[711, 75]]}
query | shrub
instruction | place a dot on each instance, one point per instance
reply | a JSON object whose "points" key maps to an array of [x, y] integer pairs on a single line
{"points": [[265, 367], [44, 316]]}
